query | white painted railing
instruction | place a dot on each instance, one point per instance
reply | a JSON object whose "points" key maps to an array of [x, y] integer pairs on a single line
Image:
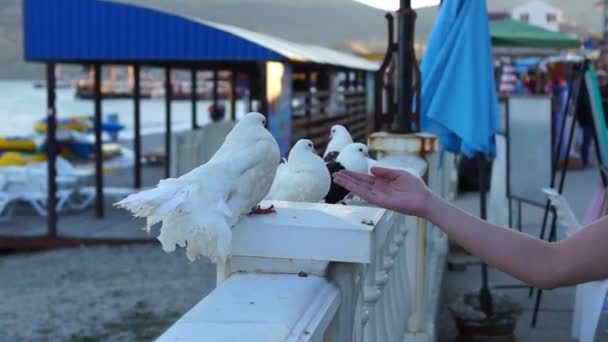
{"points": [[317, 272]]}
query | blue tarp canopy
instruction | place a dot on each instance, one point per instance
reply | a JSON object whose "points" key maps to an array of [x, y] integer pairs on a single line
{"points": [[82, 31], [459, 102]]}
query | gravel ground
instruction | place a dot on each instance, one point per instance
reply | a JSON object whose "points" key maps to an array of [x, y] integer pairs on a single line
{"points": [[128, 293]]}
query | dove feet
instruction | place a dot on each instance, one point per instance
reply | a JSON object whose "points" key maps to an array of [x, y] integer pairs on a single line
{"points": [[258, 210]]}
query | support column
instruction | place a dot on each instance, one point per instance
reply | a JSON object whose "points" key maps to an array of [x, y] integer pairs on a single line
{"points": [[136, 127], [168, 95], [406, 22], [98, 142], [263, 108], [233, 95], [193, 97], [215, 90], [51, 150]]}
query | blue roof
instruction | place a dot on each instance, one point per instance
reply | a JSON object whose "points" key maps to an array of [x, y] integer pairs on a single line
{"points": [[104, 31]]}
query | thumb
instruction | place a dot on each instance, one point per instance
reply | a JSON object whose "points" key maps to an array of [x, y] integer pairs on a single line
{"points": [[388, 174]]}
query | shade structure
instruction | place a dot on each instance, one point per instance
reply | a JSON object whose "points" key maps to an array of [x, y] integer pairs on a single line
{"points": [[459, 102], [510, 32], [94, 31]]}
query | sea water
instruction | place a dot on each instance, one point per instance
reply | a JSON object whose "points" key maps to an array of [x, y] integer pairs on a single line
{"points": [[21, 105]]}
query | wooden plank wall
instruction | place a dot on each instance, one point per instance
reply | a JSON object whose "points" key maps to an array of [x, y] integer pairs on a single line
{"points": [[313, 118]]}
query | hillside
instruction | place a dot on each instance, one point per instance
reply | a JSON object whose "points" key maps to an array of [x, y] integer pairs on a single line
{"points": [[323, 22]]}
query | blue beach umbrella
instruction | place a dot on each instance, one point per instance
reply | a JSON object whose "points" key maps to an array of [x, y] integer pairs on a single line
{"points": [[459, 102]]}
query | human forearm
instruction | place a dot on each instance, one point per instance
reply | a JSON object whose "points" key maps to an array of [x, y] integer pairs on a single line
{"points": [[522, 256], [577, 259]]}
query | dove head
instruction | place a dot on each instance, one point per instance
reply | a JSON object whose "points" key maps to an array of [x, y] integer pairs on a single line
{"points": [[353, 157], [253, 119], [302, 153], [304, 145], [338, 131]]}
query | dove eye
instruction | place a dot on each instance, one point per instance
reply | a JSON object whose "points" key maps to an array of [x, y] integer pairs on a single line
{"points": [[360, 150], [310, 145]]}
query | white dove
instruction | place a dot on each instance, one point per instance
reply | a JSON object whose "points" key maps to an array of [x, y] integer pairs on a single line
{"points": [[339, 139], [353, 157], [303, 178], [198, 209]]}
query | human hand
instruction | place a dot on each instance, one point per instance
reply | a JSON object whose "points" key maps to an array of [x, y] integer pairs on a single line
{"points": [[391, 189]]}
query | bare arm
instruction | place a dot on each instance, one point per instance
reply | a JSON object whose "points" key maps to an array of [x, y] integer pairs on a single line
{"points": [[580, 258]]}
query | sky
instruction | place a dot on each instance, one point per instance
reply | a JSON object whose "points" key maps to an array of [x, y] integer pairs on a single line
{"points": [[393, 5]]}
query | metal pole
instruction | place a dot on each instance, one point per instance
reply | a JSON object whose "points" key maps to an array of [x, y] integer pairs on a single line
{"points": [[560, 189], [98, 143], [574, 94], [405, 65], [215, 90], [556, 148], [51, 150], [263, 107], [308, 100], [168, 92], [250, 85], [381, 102], [233, 95], [519, 217], [136, 127], [485, 298], [193, 96], [346, 91]]}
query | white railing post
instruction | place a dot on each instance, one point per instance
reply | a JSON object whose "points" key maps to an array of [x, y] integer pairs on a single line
{"points": [[426, 247], [318, 272], [347, 278], [415, 322]]}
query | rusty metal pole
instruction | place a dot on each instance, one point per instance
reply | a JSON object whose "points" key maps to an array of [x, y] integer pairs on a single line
{"points": [[405, 65]]}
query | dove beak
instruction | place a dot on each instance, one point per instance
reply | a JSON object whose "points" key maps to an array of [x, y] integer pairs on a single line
{"points": [[331, 135]]}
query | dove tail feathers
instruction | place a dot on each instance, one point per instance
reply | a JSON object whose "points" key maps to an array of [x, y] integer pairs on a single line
{"points": [[188, 219], [210, 237], [155, 204]]}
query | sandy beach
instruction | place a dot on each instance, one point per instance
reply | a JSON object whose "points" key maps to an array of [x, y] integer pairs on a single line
{"points": [[129, 293]]}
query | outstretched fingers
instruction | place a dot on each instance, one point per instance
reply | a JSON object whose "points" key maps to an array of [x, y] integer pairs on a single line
{"points": [[356, 178], [361, 177], [384, 173], [363, 189]]}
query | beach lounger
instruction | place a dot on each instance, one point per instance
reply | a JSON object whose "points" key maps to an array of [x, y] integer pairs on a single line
{"points": [[6, 206], [29, 185]]}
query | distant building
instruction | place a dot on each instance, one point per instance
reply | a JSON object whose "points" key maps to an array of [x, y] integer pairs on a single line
{"points": [[539, 13]]}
